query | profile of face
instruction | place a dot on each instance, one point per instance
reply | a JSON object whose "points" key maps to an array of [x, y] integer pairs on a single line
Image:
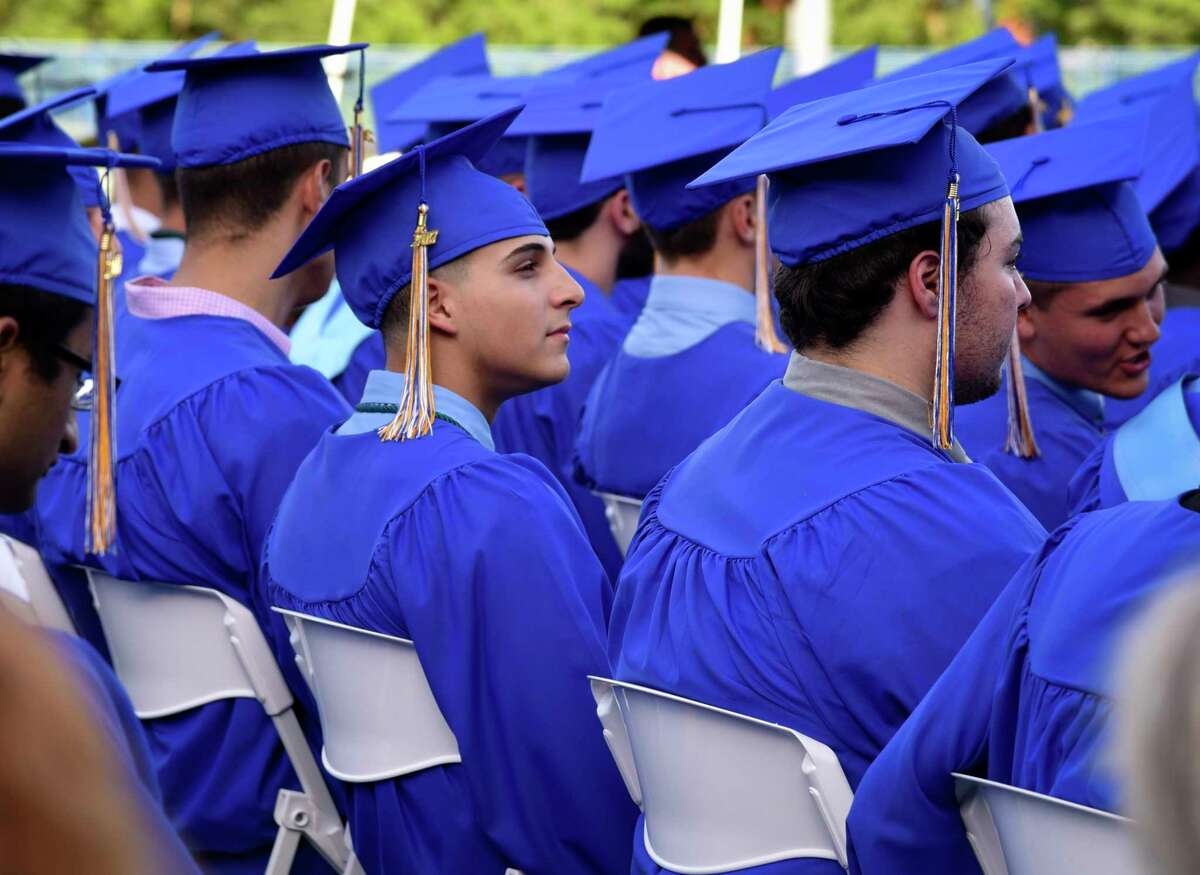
{"points": [[989, 298], [508, 308], [1098, 334], [311, 282], [36, 419]]}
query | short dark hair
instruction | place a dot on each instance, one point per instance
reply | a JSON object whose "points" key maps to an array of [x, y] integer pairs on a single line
{"points": [[238, 199], [169, 187], [45, 320], [834, 301], [395, 317], [570, 226], [1042, 293], [695, 238], [1009, 127]]}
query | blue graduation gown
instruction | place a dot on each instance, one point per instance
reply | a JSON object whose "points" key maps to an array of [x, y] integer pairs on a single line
{"points": [[109, 705], [480, 561], [688, 365], [1068, 423], [1155, 455], [1039, 670], [212, 423], [816, 566], [367, 356], [629, 295], [1176, 353], [543, 424]]}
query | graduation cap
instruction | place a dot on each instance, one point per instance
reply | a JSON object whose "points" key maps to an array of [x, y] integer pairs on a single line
{"points": [[854, 168], [448, 103], [1169, 185], [662, 134], [1080, 217], [456, 209], [46, 243], [848, 74], [150, 99], [468, 56], [12, 65], [1001, 98], [238, 105], [558, 121], [33, 126]]}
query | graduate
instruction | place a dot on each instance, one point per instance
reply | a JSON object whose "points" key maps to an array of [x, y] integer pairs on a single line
{"points": [[591, 224], [213, 419], [12, 66], [1095, 274], [818, 562], [691, 361], [1027, 701], [1169, 189], [476, 557], [143, 198], [151, 98], [49, 294]]}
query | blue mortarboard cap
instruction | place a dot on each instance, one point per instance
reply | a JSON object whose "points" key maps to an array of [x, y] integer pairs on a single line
{"points": [[1080, 217], [625, 65], [1001, 98], [450, 102], [34, 126], [468, 56], [560, 118], [45, 240], [12, 65], [848, 74], [854, 168], [660, 135], [368, 220], [235, 106], [1170, 173]]}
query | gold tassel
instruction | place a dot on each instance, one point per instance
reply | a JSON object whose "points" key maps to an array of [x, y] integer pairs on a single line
{"points": [[1021, 440], [416, 412], [102, 498], [942, 414], [360, 136], [1037, 107], [764, 317]]}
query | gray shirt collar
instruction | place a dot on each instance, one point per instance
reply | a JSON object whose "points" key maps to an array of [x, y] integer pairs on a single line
{"points": [[851, 388]]}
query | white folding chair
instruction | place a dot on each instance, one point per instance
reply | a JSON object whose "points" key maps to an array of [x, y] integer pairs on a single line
{"points": [[176, 648], [722, 791], [1019, 832], [622, 514], [27, 590]]}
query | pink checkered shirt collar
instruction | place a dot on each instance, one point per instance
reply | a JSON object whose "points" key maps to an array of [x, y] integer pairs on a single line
{"points": [[149, 297]]}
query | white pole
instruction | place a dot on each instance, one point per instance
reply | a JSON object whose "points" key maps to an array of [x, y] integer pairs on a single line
{"points": [[341, 25], [810, 35], [729, 31]]}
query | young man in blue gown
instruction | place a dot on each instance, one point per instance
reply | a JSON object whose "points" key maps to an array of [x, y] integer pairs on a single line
{"points": [[476, 557], [647, 409], [1028, 700], [818, 562], [212, 418], [48, 300], [1095, 274]]}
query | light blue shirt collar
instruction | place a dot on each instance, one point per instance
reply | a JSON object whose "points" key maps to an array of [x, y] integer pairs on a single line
{"points": [[1085, 402], [386, 387], [681, 311]]}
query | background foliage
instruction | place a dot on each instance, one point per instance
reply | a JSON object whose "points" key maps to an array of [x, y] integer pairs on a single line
{"points": [[594, 22]]}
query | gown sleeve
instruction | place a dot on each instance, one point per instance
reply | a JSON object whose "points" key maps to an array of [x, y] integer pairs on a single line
{"points": [[508, 618]]}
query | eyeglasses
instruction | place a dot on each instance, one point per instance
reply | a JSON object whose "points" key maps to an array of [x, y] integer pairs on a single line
{"points": [[84, 395]]}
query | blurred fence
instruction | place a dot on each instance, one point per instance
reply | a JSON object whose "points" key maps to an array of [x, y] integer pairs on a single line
{"points": [[83, 63]]}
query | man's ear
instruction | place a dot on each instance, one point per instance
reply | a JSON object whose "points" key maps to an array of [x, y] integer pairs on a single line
{"points": [[443, 305], [10, 333], [315, 186], [921, 280], [1027, 324], [743, 218], [618, 209]]}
